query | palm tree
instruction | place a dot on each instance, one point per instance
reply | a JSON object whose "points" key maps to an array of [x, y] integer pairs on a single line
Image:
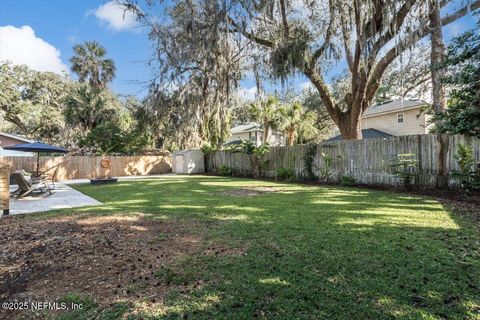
{"points": [[90, 64], [87, 107], [265, 111], [297, 122]]}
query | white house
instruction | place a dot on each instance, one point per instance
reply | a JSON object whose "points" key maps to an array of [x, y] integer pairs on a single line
{"points": [[253, 131], [393, 118]]}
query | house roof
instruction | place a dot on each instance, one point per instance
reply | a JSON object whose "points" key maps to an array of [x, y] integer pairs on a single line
{"points": [[247, 127], [366, 134], [15, 136], [393, 106], [250, 127], [233, 142]]}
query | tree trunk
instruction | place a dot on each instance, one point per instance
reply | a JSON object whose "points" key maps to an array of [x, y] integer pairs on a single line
{"points": [[255, 162], [348, 122], [437, 57], [18, 122], [438, 91], [266, 131], [350, 126], [291, 135]]}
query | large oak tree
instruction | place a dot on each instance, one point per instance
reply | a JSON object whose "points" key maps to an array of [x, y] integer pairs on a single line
{"points": [[368, 35], [305, 37]]}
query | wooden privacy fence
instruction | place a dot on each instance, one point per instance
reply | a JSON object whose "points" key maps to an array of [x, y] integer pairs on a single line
{"points": [[368, 160], [4, 189], [80, 167]]}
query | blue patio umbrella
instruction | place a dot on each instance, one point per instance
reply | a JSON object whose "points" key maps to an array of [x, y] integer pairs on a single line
{"points": [[36, 147]]}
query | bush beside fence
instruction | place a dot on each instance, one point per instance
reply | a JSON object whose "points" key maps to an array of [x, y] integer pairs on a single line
{"points": [[368, 160], [81, 167]]}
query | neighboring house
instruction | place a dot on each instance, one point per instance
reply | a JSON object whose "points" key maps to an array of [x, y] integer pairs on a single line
{"points": [[253, 131], [393, 118], [8, 139]]}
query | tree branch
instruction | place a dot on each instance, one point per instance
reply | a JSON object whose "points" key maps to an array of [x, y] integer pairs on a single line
{"points": [[410, 40], [324, 92], [249, 35], [461, 12], [395, 25], [346, 45], [319, 52], [283, 11]]}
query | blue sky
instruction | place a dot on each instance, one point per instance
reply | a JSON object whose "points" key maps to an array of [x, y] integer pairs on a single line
{"points": [[63, 23], [59, 24]]}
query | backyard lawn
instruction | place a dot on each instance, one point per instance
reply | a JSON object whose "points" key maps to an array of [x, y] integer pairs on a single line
{"points": [[204, 247]]}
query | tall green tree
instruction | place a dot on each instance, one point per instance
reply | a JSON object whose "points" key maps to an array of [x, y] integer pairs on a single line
{"points": [[102, 122], [91, 65], [297, 122], [32, 101], [87, 107], [307, 37], [266, 112], [197, 70], [462, 115]]}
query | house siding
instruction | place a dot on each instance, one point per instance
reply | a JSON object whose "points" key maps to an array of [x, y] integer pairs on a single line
{"points": [[7, 141], [241, 136], [275, 139], [414, 122]]}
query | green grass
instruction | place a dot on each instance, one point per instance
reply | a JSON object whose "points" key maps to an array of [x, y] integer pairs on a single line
{"points": [[307, 252], [89, 309]]}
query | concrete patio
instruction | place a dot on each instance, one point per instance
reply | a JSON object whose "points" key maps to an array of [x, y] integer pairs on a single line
{"points": [[63, 197]]}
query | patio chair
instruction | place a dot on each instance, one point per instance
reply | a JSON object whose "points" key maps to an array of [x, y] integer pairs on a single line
{"points": [[44, 177], [25, 187]]}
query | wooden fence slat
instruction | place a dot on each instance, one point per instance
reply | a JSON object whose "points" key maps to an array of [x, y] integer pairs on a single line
{"points": [[366, 160], [5, 190], [81, 167]]}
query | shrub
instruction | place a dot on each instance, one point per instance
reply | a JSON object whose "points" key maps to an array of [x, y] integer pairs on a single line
{"points": [[405, 166], [325, 171], [208, 149], [308, 161], [348, 181], [284, 173], [255, 153], [225, 171], [469, 175]]}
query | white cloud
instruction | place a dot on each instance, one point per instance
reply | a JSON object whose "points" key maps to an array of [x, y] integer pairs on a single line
{"points": [[116, 17], [22, 46], [247, 94]]}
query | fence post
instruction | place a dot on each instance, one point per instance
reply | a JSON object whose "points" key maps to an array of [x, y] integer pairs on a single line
{"points": [[5, 190]]}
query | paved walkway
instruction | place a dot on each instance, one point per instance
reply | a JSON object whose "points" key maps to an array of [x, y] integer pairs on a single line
{"points": [[63, 197]]}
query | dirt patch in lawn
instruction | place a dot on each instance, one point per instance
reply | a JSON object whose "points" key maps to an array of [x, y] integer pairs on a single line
{"points": [[109, 258], [247, 192], [468, 207]]}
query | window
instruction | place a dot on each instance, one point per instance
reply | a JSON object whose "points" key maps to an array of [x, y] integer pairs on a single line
{"points": [[400, 118]]}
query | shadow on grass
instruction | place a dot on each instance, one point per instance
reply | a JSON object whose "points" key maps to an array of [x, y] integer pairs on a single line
{"points": [[309, 252]]}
